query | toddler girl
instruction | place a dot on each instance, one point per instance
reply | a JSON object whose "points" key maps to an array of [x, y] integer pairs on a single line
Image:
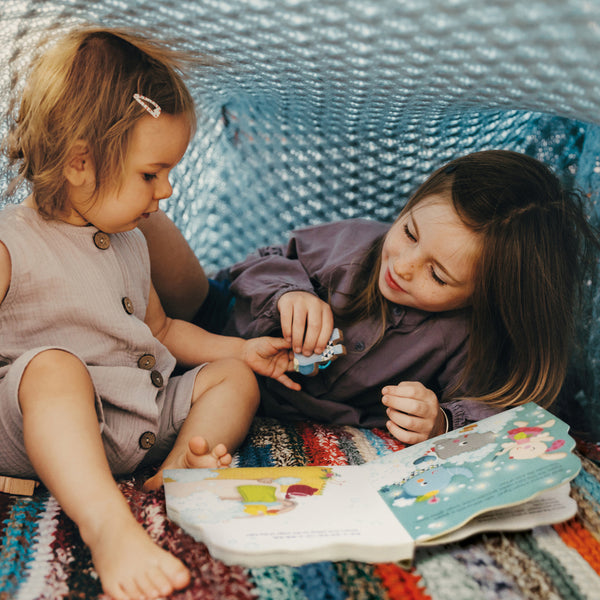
{"points": [[87, 352]]}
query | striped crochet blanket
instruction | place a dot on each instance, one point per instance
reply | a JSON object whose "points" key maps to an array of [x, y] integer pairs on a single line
{"points": [[42, 556]]}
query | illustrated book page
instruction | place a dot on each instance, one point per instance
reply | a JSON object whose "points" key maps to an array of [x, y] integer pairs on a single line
{"points": [[286, 515], [437, 486]]}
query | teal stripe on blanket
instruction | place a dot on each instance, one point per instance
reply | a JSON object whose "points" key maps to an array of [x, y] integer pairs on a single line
{"points": [[21, 529]]}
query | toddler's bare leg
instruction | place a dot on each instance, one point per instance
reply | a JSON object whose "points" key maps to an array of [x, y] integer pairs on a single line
{"points": [[62, 439], [224, 401]]}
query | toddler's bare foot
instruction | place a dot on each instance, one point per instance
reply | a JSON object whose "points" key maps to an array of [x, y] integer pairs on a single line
{"points": [[131, 566], [200, 456], [197, 456]]}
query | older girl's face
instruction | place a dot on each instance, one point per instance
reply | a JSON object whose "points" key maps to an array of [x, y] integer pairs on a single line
{"points": [[429, 257]]}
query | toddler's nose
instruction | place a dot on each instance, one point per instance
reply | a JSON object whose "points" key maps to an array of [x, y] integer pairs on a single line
{"points": [[164, 190]]}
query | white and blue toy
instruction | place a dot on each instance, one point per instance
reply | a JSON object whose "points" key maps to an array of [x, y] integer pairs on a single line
{"points": [[310, 365]]}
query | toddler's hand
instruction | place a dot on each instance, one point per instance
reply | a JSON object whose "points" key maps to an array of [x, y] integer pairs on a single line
{"points": [[306, 322], [271, 357], [414, 412]]}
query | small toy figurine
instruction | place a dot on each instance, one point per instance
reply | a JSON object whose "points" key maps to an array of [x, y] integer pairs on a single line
{"points": [[310, 365]]}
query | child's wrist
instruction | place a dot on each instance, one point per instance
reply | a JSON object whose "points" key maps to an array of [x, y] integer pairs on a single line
{"points": [[444, 423], [243, 349]]}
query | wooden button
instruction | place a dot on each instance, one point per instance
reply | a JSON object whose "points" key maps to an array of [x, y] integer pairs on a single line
{"points": [[147, 362], [102, 240], [127, 305], [147, 440], [157, 379]]}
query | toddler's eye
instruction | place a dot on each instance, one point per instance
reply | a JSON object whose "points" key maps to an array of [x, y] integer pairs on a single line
{"points": [[149, 176], [408, 234]]}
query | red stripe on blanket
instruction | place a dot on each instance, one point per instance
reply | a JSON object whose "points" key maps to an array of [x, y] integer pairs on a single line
{"points": [[576, 536], [321, 446], [401, 584]]}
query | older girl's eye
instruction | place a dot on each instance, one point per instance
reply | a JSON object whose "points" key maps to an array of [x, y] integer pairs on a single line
{"points": [[408, 234], [437, 278], [149, 176]]}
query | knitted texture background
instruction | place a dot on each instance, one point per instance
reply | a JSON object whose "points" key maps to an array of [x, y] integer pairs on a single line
{"points": [[340, 108], [336, 109]]}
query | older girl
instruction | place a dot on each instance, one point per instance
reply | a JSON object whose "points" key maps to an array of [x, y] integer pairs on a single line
{"points": [[463, 306]]}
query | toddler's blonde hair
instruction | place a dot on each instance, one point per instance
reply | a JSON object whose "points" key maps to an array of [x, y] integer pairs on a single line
{"points": [[82, 89]]}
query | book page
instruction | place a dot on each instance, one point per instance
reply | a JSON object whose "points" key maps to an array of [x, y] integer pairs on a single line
{"points": [[286, 515], [439, 485], [553, 506]]}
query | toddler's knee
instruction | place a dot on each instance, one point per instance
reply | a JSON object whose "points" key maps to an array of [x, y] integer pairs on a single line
{"points": [[53, 363], [233, 372], [54, 372], [240, 372]]}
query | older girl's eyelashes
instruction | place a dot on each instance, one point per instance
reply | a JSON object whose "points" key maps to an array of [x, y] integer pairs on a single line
{"points": [[149, 176], [434, 275], [408, 233]]}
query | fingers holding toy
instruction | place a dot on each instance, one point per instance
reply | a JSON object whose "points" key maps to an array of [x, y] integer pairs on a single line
{"points": [[306, 321], [413, 411]]}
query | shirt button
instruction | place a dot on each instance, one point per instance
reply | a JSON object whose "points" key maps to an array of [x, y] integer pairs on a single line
{"points": [[146, 361], [127, 305], [147, 440], [157, 379], [102, 240], [359, 346]]}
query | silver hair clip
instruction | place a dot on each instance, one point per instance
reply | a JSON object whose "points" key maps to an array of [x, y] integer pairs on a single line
{"points": [[152, 107]]}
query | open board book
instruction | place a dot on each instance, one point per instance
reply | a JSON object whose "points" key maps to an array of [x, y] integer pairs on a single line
{"points": [[506, 472]]}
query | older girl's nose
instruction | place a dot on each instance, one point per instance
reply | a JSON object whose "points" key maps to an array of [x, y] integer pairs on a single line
{"points": [[404, 267]]}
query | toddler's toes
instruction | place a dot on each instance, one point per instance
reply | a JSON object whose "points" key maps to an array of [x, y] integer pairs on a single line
{"points": [[221, 455], [200, 456], [198, 446]]}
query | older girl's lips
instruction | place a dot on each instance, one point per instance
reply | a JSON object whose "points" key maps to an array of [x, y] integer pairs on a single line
{"points": [[391, 283]]}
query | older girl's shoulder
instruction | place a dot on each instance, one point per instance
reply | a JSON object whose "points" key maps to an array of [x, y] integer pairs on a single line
{"points": [[336, 235], [348, 226]]}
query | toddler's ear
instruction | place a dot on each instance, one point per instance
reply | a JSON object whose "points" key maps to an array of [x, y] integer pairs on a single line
{"points": [[79, 168]]}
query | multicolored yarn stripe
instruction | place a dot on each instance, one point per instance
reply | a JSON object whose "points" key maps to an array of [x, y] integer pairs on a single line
{"points": [[42, 556]]}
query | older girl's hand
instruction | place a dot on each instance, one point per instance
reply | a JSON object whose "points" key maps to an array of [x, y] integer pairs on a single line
{"points": [[413, 411], [306, 321]]}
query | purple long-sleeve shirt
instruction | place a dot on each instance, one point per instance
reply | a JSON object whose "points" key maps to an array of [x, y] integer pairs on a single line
{"points": [[417, 345]]}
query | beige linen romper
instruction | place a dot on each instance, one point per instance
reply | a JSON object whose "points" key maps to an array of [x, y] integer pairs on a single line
{"points": [[81, 290]]}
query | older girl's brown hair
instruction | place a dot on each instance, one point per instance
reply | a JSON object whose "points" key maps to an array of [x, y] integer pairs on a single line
{"points": [[537, 247], [82, 89]]}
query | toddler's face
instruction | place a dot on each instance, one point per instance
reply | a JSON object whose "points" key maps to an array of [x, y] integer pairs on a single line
{"points": [[429, 257], [155, 147]]}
